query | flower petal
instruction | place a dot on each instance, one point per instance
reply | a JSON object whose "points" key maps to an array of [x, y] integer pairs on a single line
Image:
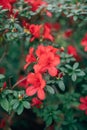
{"points": [[82, 100], [31, 91], [52, 71], [41, 94], [83, 107]]}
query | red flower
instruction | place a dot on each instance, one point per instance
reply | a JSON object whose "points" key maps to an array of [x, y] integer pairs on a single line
{"points": [[35, 31], [7, 4], [35, 4], [47, 33], [68, 33], [83, 105], [30, 58], [36, 102], [72, 51], [36, 85], [38, 31], [12, 1], [47, 60], [45, 49], [84, 42]]}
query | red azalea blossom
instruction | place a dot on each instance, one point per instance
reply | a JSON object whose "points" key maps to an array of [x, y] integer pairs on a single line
{"points": [[36, 84], [35, 31], [83, 105], [36, 102], [72, 51], [47, 33], [45, 49], [84, 42], [68, 33], [47, 61], [35, 4], [30, 58], [7, 4], [12, 1], [38, 31]]}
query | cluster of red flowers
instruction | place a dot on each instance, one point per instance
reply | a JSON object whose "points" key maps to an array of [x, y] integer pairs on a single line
{"points": [[7, 4], [84, 42], [38, 31], [46, 59], [83, 105], [35, 4]]}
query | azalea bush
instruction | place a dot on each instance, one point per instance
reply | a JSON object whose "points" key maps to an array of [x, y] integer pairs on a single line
{"points": [[43, 63]]}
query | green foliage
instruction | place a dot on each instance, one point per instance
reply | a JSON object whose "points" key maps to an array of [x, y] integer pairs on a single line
{"points": [[63, 91]]}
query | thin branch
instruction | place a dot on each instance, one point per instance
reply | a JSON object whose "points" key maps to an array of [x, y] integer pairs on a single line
{"points": [[18, 82]]}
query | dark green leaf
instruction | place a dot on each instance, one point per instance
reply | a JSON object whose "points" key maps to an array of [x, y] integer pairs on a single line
{"points": [[20, 109], [61, 85], [5, 104], [49, 121], [26, 104], [75, 66], [50, 89], [16, 104], [74, 77]]}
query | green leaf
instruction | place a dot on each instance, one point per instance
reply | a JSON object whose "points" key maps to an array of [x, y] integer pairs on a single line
{"points": [[49, 121], [2, 76], [68, 66], [50, 89], [75, 18], [61, 85], [74, 77], [81, 73], [20, 109], [4, 104], [13, 101], [26, 104], [75, 66], [16, 104]]}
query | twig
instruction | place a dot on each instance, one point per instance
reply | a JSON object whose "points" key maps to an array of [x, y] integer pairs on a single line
{"points": [[18, 82]]}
